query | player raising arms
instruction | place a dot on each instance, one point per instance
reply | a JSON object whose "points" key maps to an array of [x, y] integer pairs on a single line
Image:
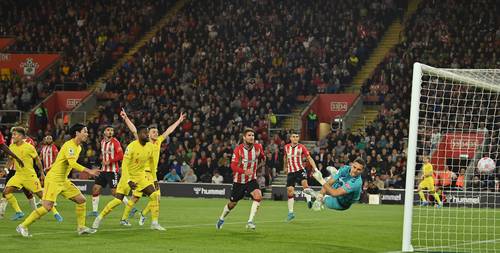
{"points": [[296, 172], [57, 182], [427, 183], [342, 189], [156, 141], [25, 177], [138, 156], [244, 165], [111, 155]]}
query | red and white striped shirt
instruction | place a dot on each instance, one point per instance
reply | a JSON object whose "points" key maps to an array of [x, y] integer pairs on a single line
{"points": [[294, 156], [2, 140], [49, 154], [244, 159], [112, 152]]}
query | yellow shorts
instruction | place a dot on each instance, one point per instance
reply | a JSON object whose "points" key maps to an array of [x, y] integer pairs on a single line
{"points": [[150, 179], [66, 188], [427, 183], [30, 183]]}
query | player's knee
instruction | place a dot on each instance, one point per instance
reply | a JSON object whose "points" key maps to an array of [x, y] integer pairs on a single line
{"points": [[231, 205], [155, 195], [48, 205]]}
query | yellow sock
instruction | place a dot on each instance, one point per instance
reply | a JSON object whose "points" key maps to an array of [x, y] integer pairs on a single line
{"points": [[80, 214], [421, 194], [13, 202], [54, 210], [436, 197], [154, 205], [109, 207], [35, 215], [146, 209], [128, 207]]}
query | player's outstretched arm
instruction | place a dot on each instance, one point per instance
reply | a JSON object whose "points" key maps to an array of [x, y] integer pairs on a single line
{"points": [[172, 127], [312, 162], [129, 123], [329, 190], [6, 149]]}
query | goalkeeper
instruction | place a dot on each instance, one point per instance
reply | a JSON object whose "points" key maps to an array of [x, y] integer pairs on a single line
{"points": [[342, 189]]}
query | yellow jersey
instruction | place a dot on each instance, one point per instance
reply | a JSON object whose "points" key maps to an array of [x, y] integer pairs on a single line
{"points": [[156, 155], [65, 162], [26, 152], [427, 169], [137, 158]]}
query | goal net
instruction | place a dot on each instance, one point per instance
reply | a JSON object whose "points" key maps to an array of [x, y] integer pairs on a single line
{"points": [[454, 125]]}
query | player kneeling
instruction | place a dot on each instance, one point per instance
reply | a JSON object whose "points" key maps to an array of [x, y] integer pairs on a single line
{"points": [[342, 189]]}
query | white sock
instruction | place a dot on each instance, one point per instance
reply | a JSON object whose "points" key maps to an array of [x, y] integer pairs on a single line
{"points": [[290, 204], [32, 202], [3, 205], [125, 200], [225, 212], [253, 210], [95, 203]]}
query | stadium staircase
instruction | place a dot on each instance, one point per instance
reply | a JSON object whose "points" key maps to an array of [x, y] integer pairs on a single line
{"points": [[99, 84], [389, 40]]}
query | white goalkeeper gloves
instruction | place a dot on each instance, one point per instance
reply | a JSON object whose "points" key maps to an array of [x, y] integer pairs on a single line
{"points": [[318, 176]]}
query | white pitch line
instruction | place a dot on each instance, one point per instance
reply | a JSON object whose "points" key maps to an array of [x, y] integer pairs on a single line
{"points": [[146, 227]]}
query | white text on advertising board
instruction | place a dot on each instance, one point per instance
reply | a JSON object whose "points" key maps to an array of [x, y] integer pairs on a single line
{"points": [[338, 106]]}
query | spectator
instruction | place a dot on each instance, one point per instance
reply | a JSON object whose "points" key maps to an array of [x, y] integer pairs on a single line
{"points": [[190, 177], [217, 178], [172, 176]]}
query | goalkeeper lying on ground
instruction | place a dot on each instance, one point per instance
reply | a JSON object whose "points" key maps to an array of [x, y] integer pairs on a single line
{"points": [[342, 189]]}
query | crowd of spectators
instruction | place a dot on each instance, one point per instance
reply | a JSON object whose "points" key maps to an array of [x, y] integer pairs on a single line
{"points": [[89, 36], [442, 34], [231, 65]]}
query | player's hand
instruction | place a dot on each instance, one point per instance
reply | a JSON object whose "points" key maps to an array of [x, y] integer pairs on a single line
{"points": [[123, 114], [248, 172], [132, 185], [20, 162], [94, 173], [157, 186], [182, 117], [106, 162], [48, 168], [319, 177]]}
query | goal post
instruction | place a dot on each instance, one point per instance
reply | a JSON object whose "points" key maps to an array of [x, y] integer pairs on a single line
{"points": [[454, 122]]}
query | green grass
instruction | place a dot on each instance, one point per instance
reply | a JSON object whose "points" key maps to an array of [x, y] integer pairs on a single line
{"points": [[190, 227]]}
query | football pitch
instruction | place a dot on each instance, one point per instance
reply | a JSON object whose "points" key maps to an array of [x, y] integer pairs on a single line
{"points": [[190, 225]]}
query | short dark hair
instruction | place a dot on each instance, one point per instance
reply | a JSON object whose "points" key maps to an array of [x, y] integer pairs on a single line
{"points": [[19, 130], [108, 126], [247, 130], [76, 128], [360, 161], [153, 126], [294, 132], [141, 127]]}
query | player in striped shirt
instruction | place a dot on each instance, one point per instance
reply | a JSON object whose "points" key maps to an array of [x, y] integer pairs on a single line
{"points": [[244, 164], [111, 155], [296, 172], [48, 152]]}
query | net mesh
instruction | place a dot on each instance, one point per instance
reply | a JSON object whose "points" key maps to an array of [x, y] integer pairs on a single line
{"points": [[458, 125]]}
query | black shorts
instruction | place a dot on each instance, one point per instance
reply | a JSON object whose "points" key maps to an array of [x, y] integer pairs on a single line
{"points": [[9, 176], [296, 177], [238, 190], [108, 178]]}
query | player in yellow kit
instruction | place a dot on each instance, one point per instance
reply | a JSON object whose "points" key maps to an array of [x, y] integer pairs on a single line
{"points": [[427, 183], [57, 182], [25, 177], [156, 141], [138, 157]]}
